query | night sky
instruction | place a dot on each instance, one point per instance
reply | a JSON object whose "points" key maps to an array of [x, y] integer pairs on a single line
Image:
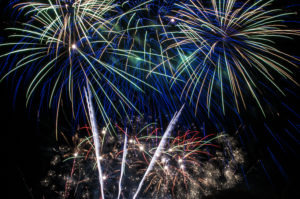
{"points": [[26, 140]]}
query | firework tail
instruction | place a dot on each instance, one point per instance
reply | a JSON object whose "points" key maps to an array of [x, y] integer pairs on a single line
{"points": [[123, 164], [95, 135], [159, 149]]}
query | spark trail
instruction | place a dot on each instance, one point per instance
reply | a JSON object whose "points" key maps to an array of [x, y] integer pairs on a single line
{"points": [[159, 149], [123, 164], [95, 135]]}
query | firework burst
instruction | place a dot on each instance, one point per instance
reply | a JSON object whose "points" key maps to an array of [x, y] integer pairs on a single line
{"points": [[190, 164], [224, 47], [65, 45]]}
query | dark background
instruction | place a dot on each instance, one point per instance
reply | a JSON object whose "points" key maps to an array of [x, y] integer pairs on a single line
{"points": [[26, 140]]}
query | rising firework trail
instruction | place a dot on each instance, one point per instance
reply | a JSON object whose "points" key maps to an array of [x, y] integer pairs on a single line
{"points": [[123, 164], [95, 135], [159, 148]]}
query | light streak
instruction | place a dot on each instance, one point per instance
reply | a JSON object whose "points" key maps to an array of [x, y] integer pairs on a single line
{"points": [[95, 137], [159, 149], [123, 164]]}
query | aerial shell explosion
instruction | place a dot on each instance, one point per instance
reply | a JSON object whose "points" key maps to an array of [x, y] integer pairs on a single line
{"points": [[191, 164]]}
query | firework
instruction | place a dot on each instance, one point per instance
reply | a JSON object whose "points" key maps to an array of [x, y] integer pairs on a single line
{"points": [[97, 146], [123, 165], [224, 47], [159, 149], [63, 45], [190, 164], [118, 59]]}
